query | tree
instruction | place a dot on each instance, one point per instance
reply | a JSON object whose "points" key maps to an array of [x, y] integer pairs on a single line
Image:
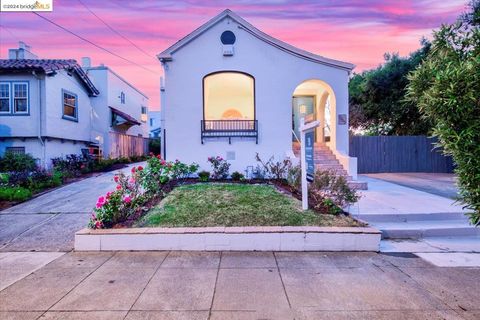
{"points": [[446, 87], [377, 97]]}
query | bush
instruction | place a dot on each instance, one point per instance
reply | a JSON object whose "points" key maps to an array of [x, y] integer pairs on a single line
{"points": [[118, 205], [15, 194], [446, 88], [237, 176], [274, 169], [16, 162], [294, 177], [154, 145], [155, 175], [72, 165], [220, 167], [330, 193], [180, 171], [203, 176]]}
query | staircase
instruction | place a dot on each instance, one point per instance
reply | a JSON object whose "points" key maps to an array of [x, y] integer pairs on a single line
{"points": [[324, 159]]}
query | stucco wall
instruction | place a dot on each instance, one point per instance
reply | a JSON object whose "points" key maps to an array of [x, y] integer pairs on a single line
{"points": [[23, 125], [55, 124], [276, 74]]}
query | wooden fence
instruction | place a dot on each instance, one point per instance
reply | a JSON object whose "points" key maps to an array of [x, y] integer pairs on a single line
{"points": [[377, 154], [124, 145]]}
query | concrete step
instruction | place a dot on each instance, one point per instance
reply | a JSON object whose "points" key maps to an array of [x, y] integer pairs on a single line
{"points": [[426, 228], [357, 185], [326, 161], [335, 167], [411, 217]]}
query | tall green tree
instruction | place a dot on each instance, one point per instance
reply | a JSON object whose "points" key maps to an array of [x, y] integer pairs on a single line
{"points": [[377, 97], [446, 87]]}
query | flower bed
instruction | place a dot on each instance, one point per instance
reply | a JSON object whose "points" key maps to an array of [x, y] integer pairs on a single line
{"points": [[137, 193], [21, 178]]}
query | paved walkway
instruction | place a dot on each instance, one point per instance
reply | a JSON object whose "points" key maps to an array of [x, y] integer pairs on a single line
{"points": [[238, 285], [49, 222]]}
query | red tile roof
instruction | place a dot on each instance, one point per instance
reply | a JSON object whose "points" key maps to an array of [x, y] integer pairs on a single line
{"points": [[48, 66]]}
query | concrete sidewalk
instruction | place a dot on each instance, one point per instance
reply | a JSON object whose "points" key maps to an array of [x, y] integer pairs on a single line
{"points": [[49, 222], [240, 285]]}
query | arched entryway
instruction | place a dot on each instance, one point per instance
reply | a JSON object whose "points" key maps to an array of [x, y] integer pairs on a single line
{"points": [[314, 100]]}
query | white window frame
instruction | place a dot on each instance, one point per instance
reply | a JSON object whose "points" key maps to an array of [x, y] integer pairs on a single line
{"points": [[9, 84], [13, 97], [66, 116]]}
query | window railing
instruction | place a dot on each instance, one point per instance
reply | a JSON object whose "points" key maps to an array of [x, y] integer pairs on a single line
{"points": [[229, 129]]}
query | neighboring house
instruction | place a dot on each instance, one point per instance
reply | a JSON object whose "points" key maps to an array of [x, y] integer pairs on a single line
{"points": [[51, 108], [232, 90], [154, 124], [120, 113]]}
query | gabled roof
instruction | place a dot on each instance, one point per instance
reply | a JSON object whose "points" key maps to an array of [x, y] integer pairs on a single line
{"points": [[48, 66], [166, 55]]}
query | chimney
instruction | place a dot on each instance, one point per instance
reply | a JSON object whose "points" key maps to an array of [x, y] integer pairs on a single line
{"points": [[86, 62], [23, 52]]}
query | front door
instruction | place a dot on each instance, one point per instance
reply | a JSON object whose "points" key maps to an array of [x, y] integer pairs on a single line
{"points": [[302, 107]]}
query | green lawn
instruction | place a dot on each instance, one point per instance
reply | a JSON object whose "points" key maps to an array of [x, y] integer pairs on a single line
{"points": [[208, 205]]}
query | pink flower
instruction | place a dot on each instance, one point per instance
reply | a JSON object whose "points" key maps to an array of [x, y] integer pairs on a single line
{"points": [[133, 170], [132, 180], [115, 178], [151, 154], [139, 168], [98, 224], [163, 162], [100, 204], [109, 193], [101, 199], [119, 187], [127, 199], [159, 156]]}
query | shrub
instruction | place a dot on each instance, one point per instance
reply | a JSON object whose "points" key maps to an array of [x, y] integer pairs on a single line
{"points": [[237, 176], [446, 88], [203, 176], [274, 169], [294, 177], [15, 162], [4, 178], [118, 205], [180, 171], [154, 145], [155, 175], [15, 194], [220, 167], [72, 165], [330, 193]]}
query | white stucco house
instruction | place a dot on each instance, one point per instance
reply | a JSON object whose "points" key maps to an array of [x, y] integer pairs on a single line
{"points": [[53, 107], [233, 90]]}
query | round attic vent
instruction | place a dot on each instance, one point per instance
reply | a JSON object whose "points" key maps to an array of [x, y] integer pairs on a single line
{"points": [[228, 37]]}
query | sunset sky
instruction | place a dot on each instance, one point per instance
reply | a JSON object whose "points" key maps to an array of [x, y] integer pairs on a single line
{"points": [[357, 31]]}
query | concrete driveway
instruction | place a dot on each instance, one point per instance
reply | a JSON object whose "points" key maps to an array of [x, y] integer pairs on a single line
{"points": [[441, 184], [49, 222]]}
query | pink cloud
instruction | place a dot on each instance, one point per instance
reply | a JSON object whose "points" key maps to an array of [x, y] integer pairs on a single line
{"points": [[352, 30]]}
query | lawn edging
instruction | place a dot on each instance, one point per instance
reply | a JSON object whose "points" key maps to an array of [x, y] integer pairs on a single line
{"points": [[301, 238]]}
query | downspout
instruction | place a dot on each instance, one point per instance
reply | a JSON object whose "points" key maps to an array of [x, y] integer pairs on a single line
{"points": [[39, 134]]}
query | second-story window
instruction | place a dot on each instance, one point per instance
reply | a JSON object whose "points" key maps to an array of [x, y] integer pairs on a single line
{"points": [[144, 115], [70, 106], [5, 97], [122, 97], [20, 98]]}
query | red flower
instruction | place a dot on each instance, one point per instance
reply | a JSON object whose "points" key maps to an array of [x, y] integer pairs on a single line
{"points": [[115, 178], [119, 187], [139, 168], [133, 170], [159, 156]]}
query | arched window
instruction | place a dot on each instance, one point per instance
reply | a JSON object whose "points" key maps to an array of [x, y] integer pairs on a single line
{"points": [[228, 95]]}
